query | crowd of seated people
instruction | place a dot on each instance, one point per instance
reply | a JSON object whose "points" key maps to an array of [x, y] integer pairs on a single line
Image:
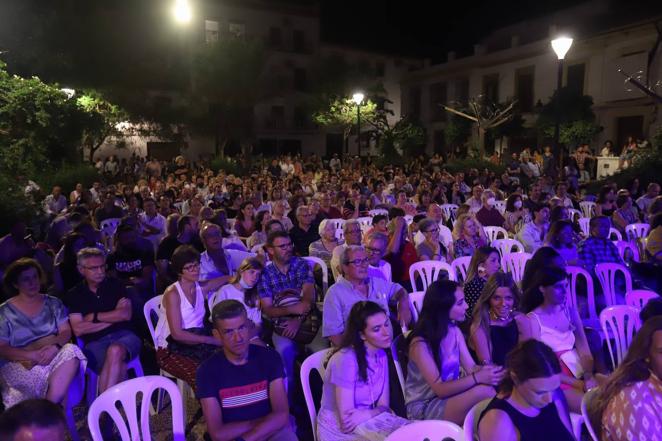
{"points": [[233, 263]]}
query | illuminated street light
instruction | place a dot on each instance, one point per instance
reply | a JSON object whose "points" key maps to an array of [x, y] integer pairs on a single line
{"points": [[561, 46], [358, 100], [182, 11], [68, 92]]}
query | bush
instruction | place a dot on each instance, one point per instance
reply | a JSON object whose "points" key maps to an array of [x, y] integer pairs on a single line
{"points": [[463, 165], [231, 167], [68, 176]]}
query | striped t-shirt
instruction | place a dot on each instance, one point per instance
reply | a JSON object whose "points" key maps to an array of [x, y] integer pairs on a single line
{"points": [[242, 391]]}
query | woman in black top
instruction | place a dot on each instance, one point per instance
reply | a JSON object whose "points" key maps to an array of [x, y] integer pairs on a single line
{"points": [[531, 407]]}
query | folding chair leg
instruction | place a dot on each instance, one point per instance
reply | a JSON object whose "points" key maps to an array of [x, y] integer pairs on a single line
{"points": [[71, 423]]}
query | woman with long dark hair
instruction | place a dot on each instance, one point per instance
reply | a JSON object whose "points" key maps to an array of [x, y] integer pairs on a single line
{"points": [[629, 404], [484, 263], [561, 237], [528, 406], [495, 325], [557, 324], [356, 383], [437, 350]]}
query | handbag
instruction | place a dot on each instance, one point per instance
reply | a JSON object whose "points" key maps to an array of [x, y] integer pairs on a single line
{"points": [[310, 322]]}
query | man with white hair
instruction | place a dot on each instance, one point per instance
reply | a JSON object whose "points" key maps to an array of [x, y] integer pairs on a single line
{"points": [[356, 286], [352, 231]]}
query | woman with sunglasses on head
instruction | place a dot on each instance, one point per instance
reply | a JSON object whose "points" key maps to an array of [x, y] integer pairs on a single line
{"points": [[183, 336], [355, 397], [495, 325], [437, 350]]}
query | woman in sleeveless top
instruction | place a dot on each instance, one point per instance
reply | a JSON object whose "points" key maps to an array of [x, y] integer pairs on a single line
{"points": [[495, 325], [183, 337], [528, 406], [434, 389], [557, 324]]}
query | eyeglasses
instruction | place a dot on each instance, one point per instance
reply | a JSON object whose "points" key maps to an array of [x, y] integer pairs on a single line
{"points": [[373, 250], [358, 231], [434, 230], [284, 246], [357, 262], [191, 266], [95, 268]]}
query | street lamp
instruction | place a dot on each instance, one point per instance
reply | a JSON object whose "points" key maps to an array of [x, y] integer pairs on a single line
{"points": [[358, 99], [182, 11], [561, 46]]}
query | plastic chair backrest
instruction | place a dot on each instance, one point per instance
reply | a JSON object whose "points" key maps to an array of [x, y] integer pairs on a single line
{"points": [[588, 208], [316, 261], [501, 206], [427, 430], [606, 273], [337, 223], [238, 256], [377, 211], [316, 362], [623, 246], [639, 297], [449, 210], [493, 233], [471, 420], [584, 225], [586, 400], [506, 246], [445, 235], [365, 222], [340, 234], [429, 272], [636, 231], [461, 267], [574, 214], [514, 264], [409, 219], [153, 305], [396, 363], [138, 423], [575, 272], [416, 300], [613, 232], [621, 322], [109, 226]]}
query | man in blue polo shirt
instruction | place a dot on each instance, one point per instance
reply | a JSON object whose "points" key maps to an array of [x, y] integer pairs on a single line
{"points": [[241, 388]]}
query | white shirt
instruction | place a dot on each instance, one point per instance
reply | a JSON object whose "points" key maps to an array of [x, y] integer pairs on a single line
{"points": [[383, 271], [230, 292], [192, 315], [158, 222]]}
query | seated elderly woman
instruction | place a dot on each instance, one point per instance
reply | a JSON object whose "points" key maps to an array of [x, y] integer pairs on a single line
{"points": [[468, 236], [36, 358], [183, 336], [431, 247], [323, 248]]}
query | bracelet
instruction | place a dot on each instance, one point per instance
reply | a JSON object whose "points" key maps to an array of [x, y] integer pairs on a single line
{"points": [[473, 375]]}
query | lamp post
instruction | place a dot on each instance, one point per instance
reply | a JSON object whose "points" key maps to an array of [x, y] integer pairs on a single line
{"points": [[358, 99], [182, 11], [561, 46]]}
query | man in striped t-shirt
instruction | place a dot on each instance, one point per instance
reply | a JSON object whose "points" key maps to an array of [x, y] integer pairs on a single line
{"points": [[241, 388]]}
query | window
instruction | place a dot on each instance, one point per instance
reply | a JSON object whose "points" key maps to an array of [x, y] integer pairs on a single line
{"points": [[438, 96], [300, 118], [462, 90], [211, 31], [491, 88], [275, 37], [575, 78], [237, 30], [524, 80], [299, 41], [277, 117], [299, 79], [415, 101]]}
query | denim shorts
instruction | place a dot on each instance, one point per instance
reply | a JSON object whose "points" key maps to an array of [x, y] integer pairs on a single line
{"points": [[95, 351]]}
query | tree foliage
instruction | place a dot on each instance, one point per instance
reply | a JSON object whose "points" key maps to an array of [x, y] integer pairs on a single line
{"points": [[342, 114], [576, 117], [102, 120]]}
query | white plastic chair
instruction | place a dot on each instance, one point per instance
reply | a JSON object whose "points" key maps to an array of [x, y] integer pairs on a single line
{"points": [[506, 246], [636, 231], [621, 322], [429, 270], [574, 214], [576, 421], [74, 397], [108, 228], [493, 233], [316, 261], [238, 256], [638, 298], [606, 273], [588, 208], [501, 206], [427, 430], [575, 272], [126, 393], [377, 211], [613, 232], [445, 235], [340, 234], [416, 300], [588, 396], [584, 225], [409, 219], [461, 267], [471, 420], [365, 222], [153, 306], [449, 211], [337, 223], [316, 362], [624, 246], [514, 264]]}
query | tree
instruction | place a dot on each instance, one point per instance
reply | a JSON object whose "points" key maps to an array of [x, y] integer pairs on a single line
{"points": [[342, 114], [227, 79], [103, 119]]}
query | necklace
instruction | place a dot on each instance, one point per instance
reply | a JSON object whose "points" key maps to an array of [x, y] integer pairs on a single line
{"points": [[497, 318]]}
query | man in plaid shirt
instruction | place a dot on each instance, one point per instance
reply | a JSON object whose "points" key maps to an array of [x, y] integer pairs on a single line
{"points": [[287, 275]]}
